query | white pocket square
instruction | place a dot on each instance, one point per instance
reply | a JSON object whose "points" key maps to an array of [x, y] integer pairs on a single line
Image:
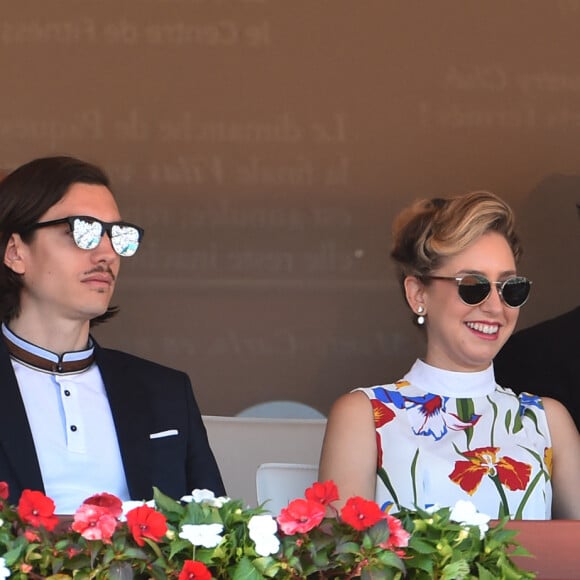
{"points": [[168, 433]]}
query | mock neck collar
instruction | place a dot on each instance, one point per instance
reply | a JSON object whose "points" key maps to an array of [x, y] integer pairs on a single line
{"points": [[459, 385], [45, 360]]}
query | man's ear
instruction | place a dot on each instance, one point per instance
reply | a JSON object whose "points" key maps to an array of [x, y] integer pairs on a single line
{"points": [[13, 254], [415, 294]]}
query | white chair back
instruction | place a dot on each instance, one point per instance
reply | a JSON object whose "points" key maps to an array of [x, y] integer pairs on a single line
{"points": [[279, 483], [282, 410], [241, 444]]}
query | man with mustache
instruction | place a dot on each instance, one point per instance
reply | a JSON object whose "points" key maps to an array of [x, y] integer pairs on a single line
{"points": [[78, 419]]}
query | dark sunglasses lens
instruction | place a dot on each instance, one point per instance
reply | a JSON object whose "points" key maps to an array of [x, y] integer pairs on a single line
{"points": [[86, 233], [515, 291], [473, 289], [125, 239]]}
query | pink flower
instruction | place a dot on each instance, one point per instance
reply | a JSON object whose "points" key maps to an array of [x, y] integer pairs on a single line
{"points": [[398, 535], [301, 515], [4, 490], [108, 501], [37, 509], [193, 570], [145, 522], [361, 513], [94, 522], [324, 493]]}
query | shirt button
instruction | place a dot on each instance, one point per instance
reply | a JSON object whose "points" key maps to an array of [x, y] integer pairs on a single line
{"points": [[67, 393], [73, 427]]}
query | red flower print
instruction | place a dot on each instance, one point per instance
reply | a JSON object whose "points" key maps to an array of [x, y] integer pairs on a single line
{"points": [[324, 493], [398, 535], [94, 522], [361, 513], [193, 570], [484, 461], [379, 450], [108, 501], [145, 522], [36, 509], [4, 490], [381, 413], [301, 516]]}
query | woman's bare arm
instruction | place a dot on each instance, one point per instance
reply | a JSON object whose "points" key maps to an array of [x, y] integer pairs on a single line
{"points": [[349, 451], [565, 461]]}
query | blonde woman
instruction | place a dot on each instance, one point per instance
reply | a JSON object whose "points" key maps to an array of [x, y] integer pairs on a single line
{"points": [[446, 430]]}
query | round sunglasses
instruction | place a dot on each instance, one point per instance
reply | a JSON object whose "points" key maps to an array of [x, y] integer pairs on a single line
{"points": [[473, 289], [87, 232]]}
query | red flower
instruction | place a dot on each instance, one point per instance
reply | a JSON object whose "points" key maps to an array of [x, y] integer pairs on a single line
{"points": [[301, 515], [193, 570], [324, 493], [483, 461], [31, 536], [361, 513], [36, 509], [72, 551], [145, 522], [94, 522], [4, 490], [108, 501], [398, 535], [381, 413]]}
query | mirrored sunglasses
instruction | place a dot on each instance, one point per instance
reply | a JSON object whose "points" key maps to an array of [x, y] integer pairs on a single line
{"points": [[87, 232], [474, 289]]}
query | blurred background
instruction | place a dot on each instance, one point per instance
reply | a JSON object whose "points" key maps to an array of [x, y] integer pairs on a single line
{"points": [[266, 147]]}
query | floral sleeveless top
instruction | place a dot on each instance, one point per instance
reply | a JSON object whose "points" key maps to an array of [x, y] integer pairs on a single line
{"points": [[444, 436]]}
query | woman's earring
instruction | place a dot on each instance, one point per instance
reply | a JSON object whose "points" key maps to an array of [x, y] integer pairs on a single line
{"points": [[420, 316]]}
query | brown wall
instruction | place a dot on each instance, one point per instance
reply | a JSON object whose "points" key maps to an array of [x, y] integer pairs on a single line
{"points": [[266, 147]]}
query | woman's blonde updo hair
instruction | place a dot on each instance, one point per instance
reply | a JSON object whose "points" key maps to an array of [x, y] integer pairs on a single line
{"points": [[429, 231]]}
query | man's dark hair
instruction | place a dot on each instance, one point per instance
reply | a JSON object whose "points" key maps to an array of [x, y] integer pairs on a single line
{"points": [[26, 195]]}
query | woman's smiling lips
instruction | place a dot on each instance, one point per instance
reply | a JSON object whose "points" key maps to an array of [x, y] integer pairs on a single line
{"points": [[487, 329]]}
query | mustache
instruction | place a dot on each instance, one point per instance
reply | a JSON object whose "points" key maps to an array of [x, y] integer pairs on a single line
{"points": [[101, 269]]}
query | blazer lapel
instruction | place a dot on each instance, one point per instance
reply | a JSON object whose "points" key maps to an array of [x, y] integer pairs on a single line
{"points": [[131, 416], [15, 435]]}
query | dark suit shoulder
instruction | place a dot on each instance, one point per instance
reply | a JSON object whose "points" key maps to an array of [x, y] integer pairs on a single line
{"points": [[133, 362]]}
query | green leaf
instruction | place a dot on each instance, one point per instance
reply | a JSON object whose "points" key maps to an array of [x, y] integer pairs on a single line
{"points": [[246, 571], [347, 548], [120, 571], [421, 546], [171, 508], [379, 533], [457, 570]]}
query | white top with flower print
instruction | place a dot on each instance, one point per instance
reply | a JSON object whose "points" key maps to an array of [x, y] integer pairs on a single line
{"points": [[444, 436]]}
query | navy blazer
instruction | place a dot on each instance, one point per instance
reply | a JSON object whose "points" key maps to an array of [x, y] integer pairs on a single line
{"points": [[145, 398]]}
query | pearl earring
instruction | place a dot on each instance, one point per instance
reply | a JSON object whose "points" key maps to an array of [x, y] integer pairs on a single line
{"points": [[420, 316]]}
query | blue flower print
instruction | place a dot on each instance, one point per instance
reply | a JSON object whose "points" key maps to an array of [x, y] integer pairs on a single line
{"points": [[527, 401]]}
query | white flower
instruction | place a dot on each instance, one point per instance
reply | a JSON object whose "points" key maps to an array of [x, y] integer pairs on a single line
{"points": [[4, 572], [206, 535], [263, 530], [205, 496], [464, 512], [131, 505]]}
